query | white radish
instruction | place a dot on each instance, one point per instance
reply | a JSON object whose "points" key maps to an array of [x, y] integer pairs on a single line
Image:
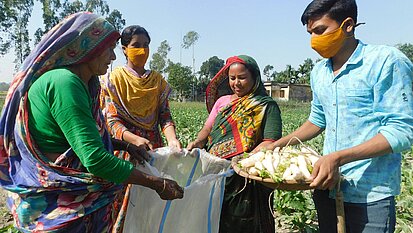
{"points": [[287, 150], [250, 161], [288, 175], [307, 160], [253, 171], [268, 154], [297, 160], [291, 150], [275, 159], [258, 165], [267, 163], [259, 156], [302, 165], [276, 152], [313, 159], [296, 172], [293, 160]]}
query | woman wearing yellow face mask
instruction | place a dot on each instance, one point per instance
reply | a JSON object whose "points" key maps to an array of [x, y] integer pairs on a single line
{"points": [[135, 102]]}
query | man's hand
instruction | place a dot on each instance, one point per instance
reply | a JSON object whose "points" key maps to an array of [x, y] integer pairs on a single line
{"points": [[326, 172]]}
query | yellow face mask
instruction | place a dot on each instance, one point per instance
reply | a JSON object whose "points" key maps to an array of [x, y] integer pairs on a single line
{"points": [[327, 45], [138, 56]]}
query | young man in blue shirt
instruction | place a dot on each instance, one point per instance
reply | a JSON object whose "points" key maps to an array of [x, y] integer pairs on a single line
{"points": [[362, 100]]}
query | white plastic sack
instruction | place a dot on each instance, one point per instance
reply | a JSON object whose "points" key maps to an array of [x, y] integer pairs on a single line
{"points": [[203, 177]]}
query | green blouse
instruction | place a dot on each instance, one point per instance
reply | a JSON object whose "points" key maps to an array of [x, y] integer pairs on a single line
{"points": [[60, 117]]}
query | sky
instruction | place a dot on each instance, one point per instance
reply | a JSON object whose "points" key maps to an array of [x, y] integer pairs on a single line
{"points": [[268, 30]]}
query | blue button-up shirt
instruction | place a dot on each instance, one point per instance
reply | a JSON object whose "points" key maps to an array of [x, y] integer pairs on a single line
{"points": [[371, 94]]}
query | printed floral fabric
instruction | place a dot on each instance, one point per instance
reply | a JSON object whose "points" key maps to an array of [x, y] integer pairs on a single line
{"points": [[238, 127], [246, 121], [48, 196], [134, 103]]}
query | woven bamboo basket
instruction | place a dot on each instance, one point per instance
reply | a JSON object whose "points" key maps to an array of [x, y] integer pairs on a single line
{"points": [[304, 185]]}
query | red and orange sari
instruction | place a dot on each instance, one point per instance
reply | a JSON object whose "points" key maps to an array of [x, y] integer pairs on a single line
{"points": [[238, 128]]}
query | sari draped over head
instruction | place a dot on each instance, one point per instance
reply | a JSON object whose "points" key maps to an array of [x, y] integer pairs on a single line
{"points": [[239, 127], [61, 195], [136, 103]]}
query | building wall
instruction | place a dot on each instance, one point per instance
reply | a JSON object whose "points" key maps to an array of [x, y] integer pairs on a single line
{"points": [[300, 93], [276, 90], [285, 92]]}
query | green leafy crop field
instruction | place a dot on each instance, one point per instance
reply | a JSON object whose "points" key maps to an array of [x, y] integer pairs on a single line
{"points": [[294, 210]]}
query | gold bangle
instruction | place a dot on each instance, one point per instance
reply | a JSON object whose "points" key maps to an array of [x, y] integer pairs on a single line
{"points": [[164, 186]]}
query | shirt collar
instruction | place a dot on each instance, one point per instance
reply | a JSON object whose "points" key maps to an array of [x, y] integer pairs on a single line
{"points": [[357, 55], [354, 59]]}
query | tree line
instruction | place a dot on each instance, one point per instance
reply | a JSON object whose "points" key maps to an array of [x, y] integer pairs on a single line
{"points": [[187, 84]]}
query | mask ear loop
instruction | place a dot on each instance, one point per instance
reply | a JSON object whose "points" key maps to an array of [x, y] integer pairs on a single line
{"points": [[358, 24]]}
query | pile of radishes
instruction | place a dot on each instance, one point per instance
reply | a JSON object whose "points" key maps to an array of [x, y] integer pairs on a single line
{"points": [[289, 164]]}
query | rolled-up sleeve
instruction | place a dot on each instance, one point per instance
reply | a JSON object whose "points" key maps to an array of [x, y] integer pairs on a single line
{"points": [[394, 104]]}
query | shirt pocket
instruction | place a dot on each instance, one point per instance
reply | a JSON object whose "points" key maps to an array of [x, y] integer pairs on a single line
{"points": [[359, 101]]}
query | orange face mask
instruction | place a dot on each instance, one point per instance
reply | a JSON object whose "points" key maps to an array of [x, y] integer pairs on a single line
{"points": [[327, 45], [138, 56]]}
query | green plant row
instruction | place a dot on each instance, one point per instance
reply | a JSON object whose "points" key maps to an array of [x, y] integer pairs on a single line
{"points": [[295, 211]]}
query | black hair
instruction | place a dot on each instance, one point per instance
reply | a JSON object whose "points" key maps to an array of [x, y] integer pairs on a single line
{"points": [[337, 10], [129, 31]]}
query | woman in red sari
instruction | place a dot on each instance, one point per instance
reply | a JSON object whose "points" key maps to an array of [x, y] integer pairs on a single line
{"points": [[242, 118]]}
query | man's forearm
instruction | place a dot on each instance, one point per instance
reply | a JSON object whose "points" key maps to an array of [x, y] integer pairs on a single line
{"points": [[306, 132], [375, 147]]}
